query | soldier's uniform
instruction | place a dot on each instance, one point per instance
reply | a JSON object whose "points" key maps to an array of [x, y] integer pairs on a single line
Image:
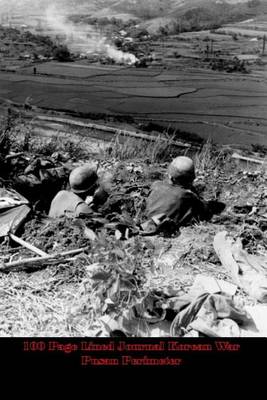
{"points": [[69, 204], [84, 184], [177, 203]]}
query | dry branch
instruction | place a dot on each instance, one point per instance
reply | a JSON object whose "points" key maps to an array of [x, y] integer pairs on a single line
{"points": [[28, 245], [37, 262]]}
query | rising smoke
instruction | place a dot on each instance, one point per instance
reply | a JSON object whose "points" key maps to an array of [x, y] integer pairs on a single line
{"points": [[81, 38]]}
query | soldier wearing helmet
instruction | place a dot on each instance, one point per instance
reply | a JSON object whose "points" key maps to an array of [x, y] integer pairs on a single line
{"points": [[182, 171], [84, 184], [174, 202]]}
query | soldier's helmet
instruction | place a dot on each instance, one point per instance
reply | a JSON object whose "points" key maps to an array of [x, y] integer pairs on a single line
{"points": [[83, 179], [182, 169]]}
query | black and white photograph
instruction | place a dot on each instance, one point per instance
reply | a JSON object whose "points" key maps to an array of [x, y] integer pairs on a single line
{"points": [[133, 170]]}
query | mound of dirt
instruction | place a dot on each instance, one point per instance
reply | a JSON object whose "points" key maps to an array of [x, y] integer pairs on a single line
{"points": [[55, 235]]}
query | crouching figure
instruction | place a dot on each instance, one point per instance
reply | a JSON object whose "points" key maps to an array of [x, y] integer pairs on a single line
{"points": [[174, 203], [84, 196]]}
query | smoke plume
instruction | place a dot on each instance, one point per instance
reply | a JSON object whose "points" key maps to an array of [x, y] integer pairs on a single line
{"points": [[81, 38]]}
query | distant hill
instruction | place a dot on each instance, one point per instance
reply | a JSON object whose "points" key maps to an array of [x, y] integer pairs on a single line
{"points": [[151, 14], [140, 8], [154, 14], [146, 9]]}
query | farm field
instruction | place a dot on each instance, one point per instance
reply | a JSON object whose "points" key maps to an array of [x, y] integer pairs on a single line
{"points": [[196, 49], [179, 90], [256, 27], [229, 108], [70, 70]]}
